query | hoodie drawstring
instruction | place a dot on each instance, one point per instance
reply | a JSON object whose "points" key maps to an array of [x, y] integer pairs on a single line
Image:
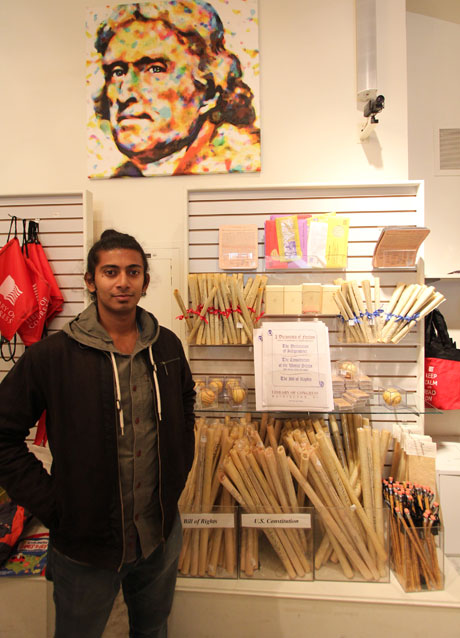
{"points": [[155, 382], [118, 399]]}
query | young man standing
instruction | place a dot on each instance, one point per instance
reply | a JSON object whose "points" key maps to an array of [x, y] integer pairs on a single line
{"points": [[118, 395]]}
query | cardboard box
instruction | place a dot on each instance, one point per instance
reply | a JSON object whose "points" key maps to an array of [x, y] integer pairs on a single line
{"points": [[328, 305], [312, 295], [274, 300], [293, 300]]}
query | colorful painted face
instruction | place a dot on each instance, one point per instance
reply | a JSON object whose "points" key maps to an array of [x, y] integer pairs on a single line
{"points": [[153, 97]]}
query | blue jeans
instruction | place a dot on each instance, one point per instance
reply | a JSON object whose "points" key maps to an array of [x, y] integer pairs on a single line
{"points": [[84, 595]]}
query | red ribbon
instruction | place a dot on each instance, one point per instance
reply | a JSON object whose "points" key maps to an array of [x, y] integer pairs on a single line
{"points": [[191, 311]]}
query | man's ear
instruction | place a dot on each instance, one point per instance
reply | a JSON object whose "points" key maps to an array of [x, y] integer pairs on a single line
{"points": [[89, 281], [146, 282]]}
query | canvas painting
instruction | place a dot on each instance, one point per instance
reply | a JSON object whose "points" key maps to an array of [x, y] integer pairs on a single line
{"points": [[173, 88]]}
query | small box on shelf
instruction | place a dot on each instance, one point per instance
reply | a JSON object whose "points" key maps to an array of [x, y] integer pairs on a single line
{"points": [[352, 389], [293, 300], [235, 393], [312, 296], [348, 369], [365, 565], [209, 543], [274, 300], [392, 396], [206, 398], [328, 305], [220, 391], [277, 546]]}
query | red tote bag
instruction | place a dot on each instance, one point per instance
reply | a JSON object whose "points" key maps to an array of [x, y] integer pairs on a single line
{"points": [[442, 364], [17, 298]]}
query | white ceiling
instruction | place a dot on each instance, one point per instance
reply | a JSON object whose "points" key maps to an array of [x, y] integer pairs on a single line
{"points": [[442, 9]]}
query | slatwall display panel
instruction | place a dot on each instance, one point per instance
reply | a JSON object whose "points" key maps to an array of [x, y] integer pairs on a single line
{"points": [[65, 222], [369, 208]]}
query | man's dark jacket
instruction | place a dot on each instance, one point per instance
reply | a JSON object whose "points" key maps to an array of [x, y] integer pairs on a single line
{"points": [[80, 502]]}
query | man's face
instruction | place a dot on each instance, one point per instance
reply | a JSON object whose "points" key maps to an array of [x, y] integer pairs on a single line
{"points": [[119, 280], [153, 99]]}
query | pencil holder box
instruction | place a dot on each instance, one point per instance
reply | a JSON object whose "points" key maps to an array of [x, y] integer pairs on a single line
{"points": [[209, 543], [347, 550], [417, 556], [276, 546]]}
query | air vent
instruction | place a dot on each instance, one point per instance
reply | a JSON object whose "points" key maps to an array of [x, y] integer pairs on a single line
{"points": [[449, 149]]}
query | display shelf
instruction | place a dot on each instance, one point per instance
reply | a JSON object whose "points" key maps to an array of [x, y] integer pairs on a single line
{"points": [[328, 610], [357, 592], [415, 407]]}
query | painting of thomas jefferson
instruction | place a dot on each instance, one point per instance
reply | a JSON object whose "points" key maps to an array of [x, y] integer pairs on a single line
{"points": [[172, 88]]}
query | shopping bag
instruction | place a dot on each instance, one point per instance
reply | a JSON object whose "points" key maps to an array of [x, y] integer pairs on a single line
{"points": [[56, 299], [41, 436], [12, 520], [17, 298], [31, 330], [442, 365]]}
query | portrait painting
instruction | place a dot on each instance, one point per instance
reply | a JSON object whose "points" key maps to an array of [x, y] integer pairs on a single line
{"points": [[173, 88]]}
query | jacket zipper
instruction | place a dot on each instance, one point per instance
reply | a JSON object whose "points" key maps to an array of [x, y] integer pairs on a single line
{"points": [[157, 419], [119, 486]]}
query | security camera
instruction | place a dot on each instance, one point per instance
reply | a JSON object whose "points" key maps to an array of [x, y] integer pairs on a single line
{"points": [[374, 106]]}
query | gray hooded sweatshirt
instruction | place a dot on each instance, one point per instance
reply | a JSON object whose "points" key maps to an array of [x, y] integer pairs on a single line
{"points": [[136, 395]]}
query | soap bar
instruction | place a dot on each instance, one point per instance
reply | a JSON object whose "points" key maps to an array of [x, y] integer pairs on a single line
{"points": [[293, 300], [311, 298], [274, 300], [329, 307]]}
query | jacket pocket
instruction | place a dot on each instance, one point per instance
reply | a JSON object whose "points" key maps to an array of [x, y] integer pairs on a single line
{"points": [[169, 365]]}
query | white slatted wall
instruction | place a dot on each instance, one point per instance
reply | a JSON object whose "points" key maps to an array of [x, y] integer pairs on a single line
{"points": [[65, 231], [369, 208]]}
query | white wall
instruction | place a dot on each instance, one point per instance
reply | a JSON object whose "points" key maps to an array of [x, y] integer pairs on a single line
{"points": [[309, 114], [433, 53]]}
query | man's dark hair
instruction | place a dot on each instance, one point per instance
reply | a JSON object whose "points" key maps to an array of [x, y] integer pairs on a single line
{"points": [[111, 240]]}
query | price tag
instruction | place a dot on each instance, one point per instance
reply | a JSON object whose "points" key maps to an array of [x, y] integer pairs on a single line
{"points": [[420, 447]]}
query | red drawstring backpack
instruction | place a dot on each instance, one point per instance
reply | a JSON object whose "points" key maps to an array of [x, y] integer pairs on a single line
{"points": [[31, 330], [38, 257], [17, 297]]}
